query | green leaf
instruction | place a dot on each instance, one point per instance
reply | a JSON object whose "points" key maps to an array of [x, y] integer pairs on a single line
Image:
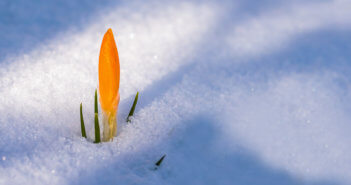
{"points": [[96, 120], [131, 112], [97, 129], [158, 163], [82, 126], [96, 103]]}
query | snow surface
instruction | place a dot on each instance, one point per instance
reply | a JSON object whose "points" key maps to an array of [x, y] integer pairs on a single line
{"points": [[233, 92]]}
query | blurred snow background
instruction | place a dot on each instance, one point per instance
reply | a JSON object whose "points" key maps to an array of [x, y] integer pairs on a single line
{"points": [[233, 92]]}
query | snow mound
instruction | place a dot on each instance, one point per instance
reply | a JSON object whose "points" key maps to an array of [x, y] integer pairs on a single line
{"points": [[255, 99]]}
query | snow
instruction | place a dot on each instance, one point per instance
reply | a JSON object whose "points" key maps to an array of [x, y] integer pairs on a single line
{"points": [[232, 92]]}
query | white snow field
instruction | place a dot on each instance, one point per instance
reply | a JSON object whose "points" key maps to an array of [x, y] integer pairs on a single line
{"points": [[233, 92]]}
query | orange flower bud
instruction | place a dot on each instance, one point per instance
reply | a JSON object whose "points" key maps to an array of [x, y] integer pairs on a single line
{"points": [[109, 75]]}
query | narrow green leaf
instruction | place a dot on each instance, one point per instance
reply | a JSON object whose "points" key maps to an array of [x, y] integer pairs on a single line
{"points": [[96, 120], [158, 163], [131, 112], [96, 103], [97, 129], [82, 126]]}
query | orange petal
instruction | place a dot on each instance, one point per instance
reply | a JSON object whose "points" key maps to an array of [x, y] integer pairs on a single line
{"points": [[109, 73]]}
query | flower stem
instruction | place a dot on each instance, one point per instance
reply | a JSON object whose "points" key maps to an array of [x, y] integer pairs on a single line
{"points": [[109, 125]]}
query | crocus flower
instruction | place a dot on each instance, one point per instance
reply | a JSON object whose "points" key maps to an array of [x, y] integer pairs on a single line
{"points": [[109, 74]]}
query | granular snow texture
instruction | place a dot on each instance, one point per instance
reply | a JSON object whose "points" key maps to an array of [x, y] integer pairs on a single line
{"points": [[232, 92]]}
